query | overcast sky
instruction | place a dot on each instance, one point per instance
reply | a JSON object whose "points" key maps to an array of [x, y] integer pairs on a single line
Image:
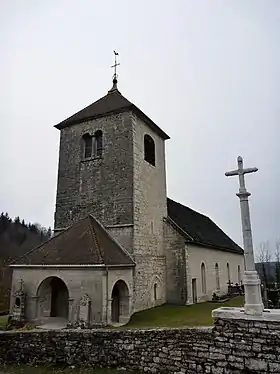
{"points": [[206, 71]]}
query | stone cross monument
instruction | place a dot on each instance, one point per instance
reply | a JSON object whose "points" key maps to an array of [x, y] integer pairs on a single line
{"points": [[253, 300]]}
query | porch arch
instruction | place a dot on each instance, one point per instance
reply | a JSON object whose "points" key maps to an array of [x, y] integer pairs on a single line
{"points": [[120, 302], [53, 298]]}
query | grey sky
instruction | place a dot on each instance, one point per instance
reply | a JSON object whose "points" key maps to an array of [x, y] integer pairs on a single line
{"points": [[206, 71]]}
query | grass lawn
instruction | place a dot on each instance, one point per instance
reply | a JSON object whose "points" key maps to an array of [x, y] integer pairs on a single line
{"points": [[172, 315], [177, 316], [3, 321], [24, 369]]}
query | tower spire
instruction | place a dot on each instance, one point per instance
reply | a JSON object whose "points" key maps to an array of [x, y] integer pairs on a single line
{"points": [[115, 76]]}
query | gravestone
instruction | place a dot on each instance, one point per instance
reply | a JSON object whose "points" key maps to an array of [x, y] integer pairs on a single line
{"points": [[18, 313], [84, 312]]}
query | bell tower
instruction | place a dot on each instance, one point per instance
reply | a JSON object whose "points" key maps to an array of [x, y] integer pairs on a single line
{"points": [[112, 165]]}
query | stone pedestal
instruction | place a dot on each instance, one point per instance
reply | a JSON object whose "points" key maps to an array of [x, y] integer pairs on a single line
{"points": [[253, 300]]}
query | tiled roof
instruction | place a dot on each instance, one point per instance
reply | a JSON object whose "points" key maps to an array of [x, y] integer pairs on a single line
{"points": [[200, 229], [85, 242], [111, 103]]}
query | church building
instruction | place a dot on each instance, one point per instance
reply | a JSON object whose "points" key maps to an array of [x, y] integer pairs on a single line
{"points": [[120, 245]]}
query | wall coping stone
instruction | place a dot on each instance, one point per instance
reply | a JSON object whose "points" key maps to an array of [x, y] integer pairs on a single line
{"points": [[106, 330], [238, 313]]}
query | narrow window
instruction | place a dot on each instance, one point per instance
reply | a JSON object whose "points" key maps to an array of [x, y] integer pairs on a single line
{"points": [[98, 143], [149, 150], [228, 273], [87, 145], [155, 291], [238, 274], [203, 278], [217, 277]]}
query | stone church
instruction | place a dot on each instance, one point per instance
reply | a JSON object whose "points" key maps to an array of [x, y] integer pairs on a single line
{"points": [[120, 245]]}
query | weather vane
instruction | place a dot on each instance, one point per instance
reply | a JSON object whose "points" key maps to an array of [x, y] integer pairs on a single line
{"points": [[115, 76]]}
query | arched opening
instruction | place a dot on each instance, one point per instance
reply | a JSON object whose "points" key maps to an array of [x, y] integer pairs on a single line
{"points": [[155, 292], [53, 298], [98, 143], [149, 150], [217, 277], [228, 273], [88, 145], [203, 278], [238, 274], [120, 302]]}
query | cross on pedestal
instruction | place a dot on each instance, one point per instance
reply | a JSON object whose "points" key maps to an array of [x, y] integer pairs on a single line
{"points": [[253, 300]]}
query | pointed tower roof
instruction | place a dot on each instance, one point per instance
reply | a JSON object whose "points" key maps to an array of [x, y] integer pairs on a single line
{"points": [[86, 242], [112, 103]]}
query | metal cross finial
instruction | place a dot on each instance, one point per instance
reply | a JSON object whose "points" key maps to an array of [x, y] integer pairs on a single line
{"points": [[115, 76]]}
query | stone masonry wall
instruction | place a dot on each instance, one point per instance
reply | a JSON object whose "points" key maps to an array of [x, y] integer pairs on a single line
{"points": [[232, 347], [149, 209], [100, 186], [176, 285]]}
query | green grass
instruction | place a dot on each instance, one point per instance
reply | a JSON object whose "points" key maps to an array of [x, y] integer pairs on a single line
{"points": [[172, 315], [25, 369], [3, 321], [179, 316]]}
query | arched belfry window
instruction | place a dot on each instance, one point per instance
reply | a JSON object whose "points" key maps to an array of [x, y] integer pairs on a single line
{"points": [[98, 143], [88, 145], [149, 150], [93, 144], [203, 278]]}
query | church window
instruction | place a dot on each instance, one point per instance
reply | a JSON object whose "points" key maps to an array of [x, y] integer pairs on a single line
{"points": [[88, 144], [238, 274], [155, 292], [93, 145], [203, 278], [98, 143], [149, 150], [228, 273], [217, 277], [17, 303]]}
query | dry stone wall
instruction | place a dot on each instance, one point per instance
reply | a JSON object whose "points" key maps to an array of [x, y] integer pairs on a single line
{"points": [[231, 347]]}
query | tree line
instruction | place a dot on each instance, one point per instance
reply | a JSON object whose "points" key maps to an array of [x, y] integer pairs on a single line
{"points": [[16, 238]]}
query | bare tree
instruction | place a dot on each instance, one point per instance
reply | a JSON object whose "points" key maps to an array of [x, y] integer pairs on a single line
{"points": [[277, 265], [277, 250], [264, 257]]}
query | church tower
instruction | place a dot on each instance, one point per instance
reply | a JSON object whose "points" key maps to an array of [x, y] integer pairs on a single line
{"points": [[112, 165]]}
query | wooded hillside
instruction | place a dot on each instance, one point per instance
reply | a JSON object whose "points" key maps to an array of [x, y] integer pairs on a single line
{"points": [[16, 238]]}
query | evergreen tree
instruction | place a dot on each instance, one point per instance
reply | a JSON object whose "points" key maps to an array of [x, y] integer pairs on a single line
{"points": [[17, 220]]}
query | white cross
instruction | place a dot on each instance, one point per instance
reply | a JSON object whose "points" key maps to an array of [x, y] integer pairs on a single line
{"points": [[253, 301], [240, 171]]}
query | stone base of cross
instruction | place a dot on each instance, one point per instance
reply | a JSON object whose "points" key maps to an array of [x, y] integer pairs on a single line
{"points": [[253, 297]]}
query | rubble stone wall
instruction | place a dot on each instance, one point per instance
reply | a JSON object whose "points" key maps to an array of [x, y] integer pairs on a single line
{"points": [[231, 347]]}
